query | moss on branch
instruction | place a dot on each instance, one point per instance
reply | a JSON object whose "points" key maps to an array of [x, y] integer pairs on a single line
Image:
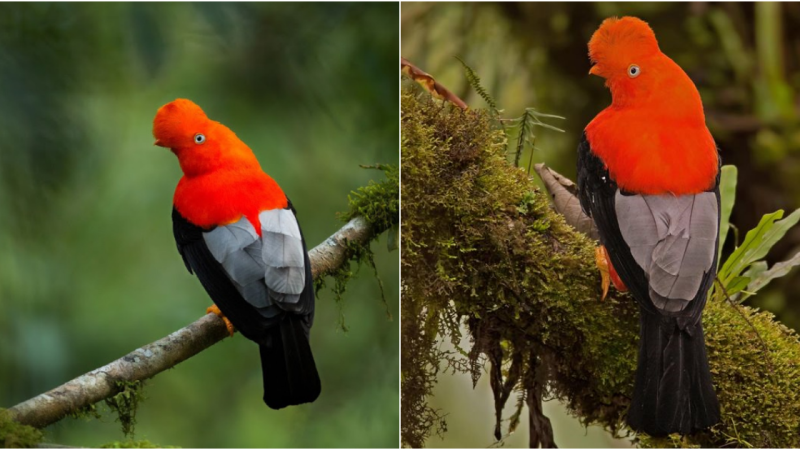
{"points": [[16, 435], [482, 246]]}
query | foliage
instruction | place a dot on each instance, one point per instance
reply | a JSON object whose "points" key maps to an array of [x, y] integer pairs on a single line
{"points": [[748, 256], [481, 246], [15, 435], [745, 272], [475, 81], [520, 127]]}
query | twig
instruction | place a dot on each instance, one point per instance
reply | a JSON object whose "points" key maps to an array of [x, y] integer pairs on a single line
{"points": [[154, 358], [430, 84]]}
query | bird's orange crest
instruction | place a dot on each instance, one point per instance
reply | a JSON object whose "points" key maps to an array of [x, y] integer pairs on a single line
{"points": [[653, 138], [222, 178]]}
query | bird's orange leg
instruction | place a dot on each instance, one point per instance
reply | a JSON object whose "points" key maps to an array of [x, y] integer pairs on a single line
{"points": [[607, 273], [215, 310]]}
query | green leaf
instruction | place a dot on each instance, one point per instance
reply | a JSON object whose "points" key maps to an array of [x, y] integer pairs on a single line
{"points": [[765, 276], [757, 243], [736, 285], [727, 192]]}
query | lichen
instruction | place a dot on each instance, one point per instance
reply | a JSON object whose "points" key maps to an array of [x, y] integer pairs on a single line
{"points": [[481, 247], [15, 435], [125, 404]]}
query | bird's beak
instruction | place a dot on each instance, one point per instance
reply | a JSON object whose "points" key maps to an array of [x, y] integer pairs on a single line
{"points": [[594, 70], [158, 143]]}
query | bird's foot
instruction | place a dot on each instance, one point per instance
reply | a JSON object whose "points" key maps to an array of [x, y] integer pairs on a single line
{"points": [[214, 309], [602, 265], [608, 274]]}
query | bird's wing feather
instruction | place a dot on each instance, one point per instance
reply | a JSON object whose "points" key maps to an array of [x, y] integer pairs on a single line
{"points": [[673, 240], [663, 249], [254, 280], [216, 281]]}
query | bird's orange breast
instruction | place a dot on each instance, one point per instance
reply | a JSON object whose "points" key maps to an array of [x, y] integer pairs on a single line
{"points": [[223, 197], [648, 153]]}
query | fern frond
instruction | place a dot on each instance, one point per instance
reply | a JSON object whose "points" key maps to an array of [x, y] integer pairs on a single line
{"points": [[475, 81]]}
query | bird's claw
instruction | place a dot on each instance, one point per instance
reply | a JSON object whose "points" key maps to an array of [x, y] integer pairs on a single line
{"points": [[214, 309], [607, 272], [602, 265]]}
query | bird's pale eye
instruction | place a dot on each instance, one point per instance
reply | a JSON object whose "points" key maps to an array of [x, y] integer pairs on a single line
{"points": [[634, 71], [199, 138]]}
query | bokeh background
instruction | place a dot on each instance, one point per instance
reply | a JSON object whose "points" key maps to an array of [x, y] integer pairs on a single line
{"points": [[745, 61], [88, 265]]}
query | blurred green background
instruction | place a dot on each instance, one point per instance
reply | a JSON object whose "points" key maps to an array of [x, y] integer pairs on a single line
{"points": [[88, 265], [745, 61]]}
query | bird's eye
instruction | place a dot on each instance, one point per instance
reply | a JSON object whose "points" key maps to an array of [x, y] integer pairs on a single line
{"points": [[634, 71], [199, 138]]}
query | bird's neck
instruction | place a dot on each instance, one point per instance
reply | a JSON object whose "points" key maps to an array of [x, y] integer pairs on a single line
{"points": [[652, 151], [223, 196]]}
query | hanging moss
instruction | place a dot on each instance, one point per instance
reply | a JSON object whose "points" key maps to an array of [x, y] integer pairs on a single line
{"points": [[481, 246], [378, 204], [125, 403], [16, 435]]}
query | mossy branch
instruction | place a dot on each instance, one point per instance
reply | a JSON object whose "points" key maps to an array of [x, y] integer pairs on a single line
{"points": [[154, 358], [483, 248]]}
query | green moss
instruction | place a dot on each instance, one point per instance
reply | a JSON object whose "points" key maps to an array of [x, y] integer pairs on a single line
{"points": [[481, 246], [133, 444], [378, 204], [16, 435], [87, 412], [125, 404]]}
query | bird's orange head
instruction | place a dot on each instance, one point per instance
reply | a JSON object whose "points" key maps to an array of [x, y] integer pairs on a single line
{"points": [[625, 52], [201, 144], [653, 138]]}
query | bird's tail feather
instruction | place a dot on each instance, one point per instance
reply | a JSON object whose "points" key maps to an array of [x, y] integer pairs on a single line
{"points": [[290, 374], [673, 392]]}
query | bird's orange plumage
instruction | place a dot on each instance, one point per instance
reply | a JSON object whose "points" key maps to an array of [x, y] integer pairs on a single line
{"points": [[222, 179], [653, 138]]}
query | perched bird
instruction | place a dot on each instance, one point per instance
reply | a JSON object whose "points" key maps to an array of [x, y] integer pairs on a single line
{"points": [[648, 175], [238, 233]]}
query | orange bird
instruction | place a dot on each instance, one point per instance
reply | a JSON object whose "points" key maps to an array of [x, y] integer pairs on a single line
{"points": [[648, 174], [238, 233]]}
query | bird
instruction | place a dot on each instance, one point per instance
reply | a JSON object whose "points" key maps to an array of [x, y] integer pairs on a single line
{"points": [[238, 233], [648, 175]]}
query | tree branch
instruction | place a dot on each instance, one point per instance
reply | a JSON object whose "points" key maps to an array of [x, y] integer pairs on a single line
{"points": [[482, 245], [150, 360]]}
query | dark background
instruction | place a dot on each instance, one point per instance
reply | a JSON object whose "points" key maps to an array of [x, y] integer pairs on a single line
{"points": [[88, 265], [744, 59]]}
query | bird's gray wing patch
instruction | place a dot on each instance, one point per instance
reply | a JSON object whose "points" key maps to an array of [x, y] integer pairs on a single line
{"points": [[238, 249], [673, 240], [269, 272], [283, 254]]}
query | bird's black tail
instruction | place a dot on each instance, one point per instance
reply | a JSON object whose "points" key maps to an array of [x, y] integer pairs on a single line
{"points": [[290, 375], [673, 391]]}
